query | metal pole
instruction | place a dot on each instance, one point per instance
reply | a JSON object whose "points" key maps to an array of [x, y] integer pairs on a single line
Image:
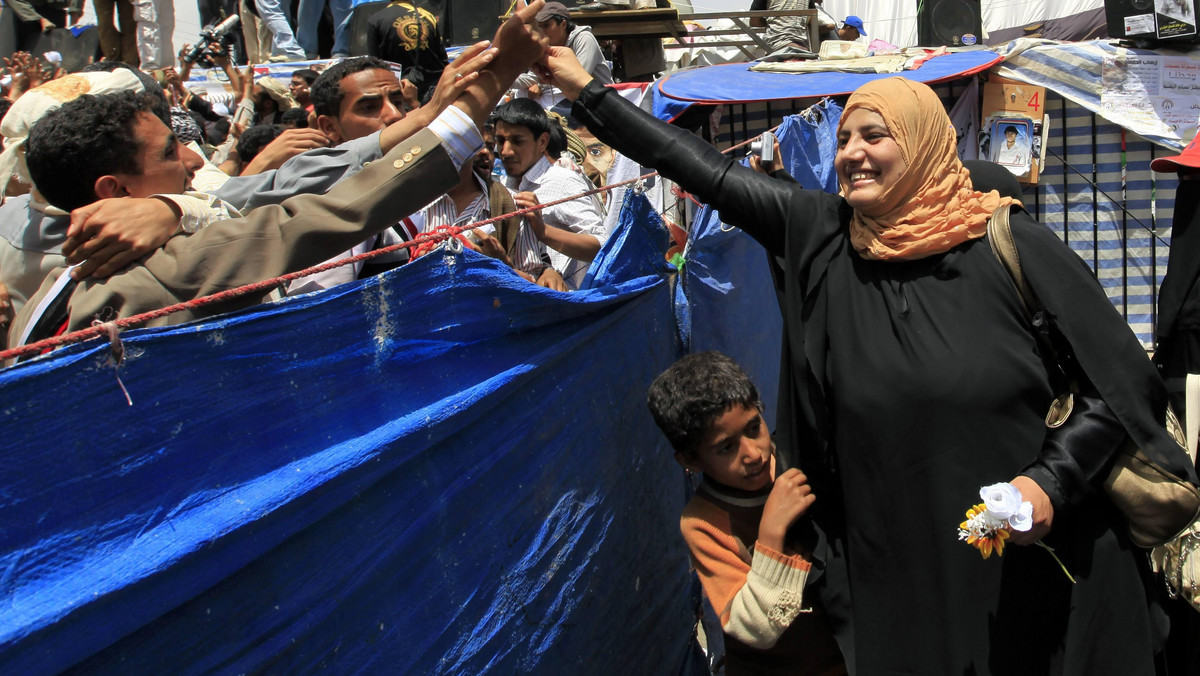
{"points": [[1062, 103], [1124, 227], [1095, 206]]}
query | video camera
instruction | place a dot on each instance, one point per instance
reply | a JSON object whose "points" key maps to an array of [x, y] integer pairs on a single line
{"points": [[221, 33]]}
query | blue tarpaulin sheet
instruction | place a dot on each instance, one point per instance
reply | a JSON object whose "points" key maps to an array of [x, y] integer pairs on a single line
{"points": [[444, 469], [736, 83]]}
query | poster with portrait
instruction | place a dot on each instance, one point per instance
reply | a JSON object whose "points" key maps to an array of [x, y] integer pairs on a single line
{"points": [[1012, 128], [1012, 144], [1174, 18]]}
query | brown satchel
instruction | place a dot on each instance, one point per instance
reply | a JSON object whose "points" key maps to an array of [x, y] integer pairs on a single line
{"points": [[1162, 509]]}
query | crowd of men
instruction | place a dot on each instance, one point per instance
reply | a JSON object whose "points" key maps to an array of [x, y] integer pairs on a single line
{"points": [[128, 194]]}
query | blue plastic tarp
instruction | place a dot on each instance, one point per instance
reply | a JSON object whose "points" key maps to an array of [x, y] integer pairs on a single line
{"points": [[443, 470]]}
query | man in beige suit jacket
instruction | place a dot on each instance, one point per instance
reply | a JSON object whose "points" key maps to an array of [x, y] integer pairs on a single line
{"points": [[306, 229]]}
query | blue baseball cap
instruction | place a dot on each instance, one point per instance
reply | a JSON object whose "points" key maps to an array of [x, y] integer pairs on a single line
{"points": [[856, 22]]}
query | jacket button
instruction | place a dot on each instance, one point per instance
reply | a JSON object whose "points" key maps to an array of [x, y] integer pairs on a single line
{"points": [[398, 163]]}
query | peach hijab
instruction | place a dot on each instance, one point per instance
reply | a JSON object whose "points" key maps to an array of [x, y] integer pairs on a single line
{"points": [[933, 207]]}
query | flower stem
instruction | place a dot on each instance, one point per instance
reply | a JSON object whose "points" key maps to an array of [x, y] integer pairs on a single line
{"points": [[1057, 560]]}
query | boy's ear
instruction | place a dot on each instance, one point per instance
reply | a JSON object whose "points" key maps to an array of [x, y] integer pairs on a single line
{"points": [[687, 462]]}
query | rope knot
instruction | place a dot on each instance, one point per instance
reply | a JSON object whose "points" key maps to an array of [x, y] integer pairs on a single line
{"points": [[116, 352]]}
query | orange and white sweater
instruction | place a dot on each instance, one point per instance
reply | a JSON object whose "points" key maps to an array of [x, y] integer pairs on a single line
{"points": [[756, 590]]}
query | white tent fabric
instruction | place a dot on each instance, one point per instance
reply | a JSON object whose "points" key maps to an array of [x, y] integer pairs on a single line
{"points": [[896, 22]]}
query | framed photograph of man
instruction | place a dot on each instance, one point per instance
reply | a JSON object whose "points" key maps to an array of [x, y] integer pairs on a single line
{"points": [[1012, 144]]}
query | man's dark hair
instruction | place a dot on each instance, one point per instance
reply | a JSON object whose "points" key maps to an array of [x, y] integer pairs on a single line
{"points": [[295, 117], [85, 139], [162, 109], [523, 113], [1010, 128], [307, 74], [326, 91], [256, 138], [694, 392], [567, 20]]}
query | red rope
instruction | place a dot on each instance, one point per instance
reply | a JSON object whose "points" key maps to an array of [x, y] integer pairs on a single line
{"points": [[425, 241]]}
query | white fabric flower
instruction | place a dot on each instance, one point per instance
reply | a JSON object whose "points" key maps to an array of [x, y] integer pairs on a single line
{"points": [[1023, 519], [1002, 499]]}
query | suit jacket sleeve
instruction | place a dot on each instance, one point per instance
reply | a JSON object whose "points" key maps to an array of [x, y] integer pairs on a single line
{"points": [[315, 171]]}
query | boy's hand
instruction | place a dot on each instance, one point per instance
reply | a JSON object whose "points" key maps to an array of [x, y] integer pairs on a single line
{"points": [[788, 501]]}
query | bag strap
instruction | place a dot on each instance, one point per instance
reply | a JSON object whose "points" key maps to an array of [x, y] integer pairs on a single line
{"points": [[1000, 239]]}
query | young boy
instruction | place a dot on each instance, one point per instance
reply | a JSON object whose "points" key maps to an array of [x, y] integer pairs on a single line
{"points": [[736, 524]]}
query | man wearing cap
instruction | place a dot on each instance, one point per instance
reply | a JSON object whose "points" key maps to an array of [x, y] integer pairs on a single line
{"points": [[851, 29], [1178, 352], [555, 23], [1178, 332]]}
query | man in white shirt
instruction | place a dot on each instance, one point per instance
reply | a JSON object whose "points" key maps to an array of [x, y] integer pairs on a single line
{"points": [[574, 230]]}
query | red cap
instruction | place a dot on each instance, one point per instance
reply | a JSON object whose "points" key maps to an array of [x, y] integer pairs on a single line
{"points": [[1188, 159]]}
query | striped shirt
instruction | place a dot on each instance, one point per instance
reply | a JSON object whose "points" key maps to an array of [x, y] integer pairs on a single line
{"points": [[551, 183], [528, 251]]}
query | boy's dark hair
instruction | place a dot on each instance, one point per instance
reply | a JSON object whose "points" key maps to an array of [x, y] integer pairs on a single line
{"points": [[85, 139], [256, 138], [326, 91], [1010, 128], [692, 393], [523, 113], [307, 74], [558, 141], [297, 117]]}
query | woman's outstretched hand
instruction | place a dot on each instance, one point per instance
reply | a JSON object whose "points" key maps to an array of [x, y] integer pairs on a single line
{"points": [[1043, 511]]}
